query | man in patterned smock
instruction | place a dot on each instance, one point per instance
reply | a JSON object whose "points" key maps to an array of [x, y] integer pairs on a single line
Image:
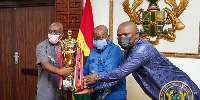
{"points": [[104, 57], [48, 65], [148, 66]]}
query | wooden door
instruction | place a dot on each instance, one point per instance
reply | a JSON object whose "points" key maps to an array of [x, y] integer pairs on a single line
{"points": [[21, 30], [6, 58]]}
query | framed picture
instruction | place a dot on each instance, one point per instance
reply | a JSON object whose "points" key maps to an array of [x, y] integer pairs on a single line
{"points": [[187, 41]]}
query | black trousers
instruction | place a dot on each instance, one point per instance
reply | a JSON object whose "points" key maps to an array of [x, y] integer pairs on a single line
{"points": [[93, 98]]}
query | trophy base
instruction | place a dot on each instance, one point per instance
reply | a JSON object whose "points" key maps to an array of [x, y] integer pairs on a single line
{"points": [[67, 85], [68, 89]]}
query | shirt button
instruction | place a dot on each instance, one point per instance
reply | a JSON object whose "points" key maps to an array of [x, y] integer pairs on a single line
{"points": [[101, 59]]}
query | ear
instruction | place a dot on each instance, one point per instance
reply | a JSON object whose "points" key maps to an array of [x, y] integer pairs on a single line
{"points": [[61, 36], [138, 35], [138, 30], [108, 37]]}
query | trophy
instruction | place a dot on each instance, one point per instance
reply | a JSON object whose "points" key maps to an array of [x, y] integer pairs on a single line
{"points": [[68, 53], [71, 56]]}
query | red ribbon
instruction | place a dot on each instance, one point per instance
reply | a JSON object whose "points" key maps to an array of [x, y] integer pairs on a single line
{"points": [[60, 65], [79, 65], [81, 69]]}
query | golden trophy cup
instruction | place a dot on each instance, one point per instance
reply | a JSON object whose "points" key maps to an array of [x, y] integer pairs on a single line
{"points": [[68, 47]]}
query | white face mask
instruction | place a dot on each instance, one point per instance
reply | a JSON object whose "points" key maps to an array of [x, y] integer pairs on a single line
{"points": [[53, 38]]}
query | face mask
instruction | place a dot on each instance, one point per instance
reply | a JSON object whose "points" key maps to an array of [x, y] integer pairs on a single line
{"points": [[125, 42], [53, 38], [99, 44]]}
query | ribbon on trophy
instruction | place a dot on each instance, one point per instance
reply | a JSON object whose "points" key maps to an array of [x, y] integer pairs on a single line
{"points": [[78, 67], [60, 66]]}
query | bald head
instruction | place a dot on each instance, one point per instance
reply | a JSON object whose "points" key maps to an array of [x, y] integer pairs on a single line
{"points": [[100, 32], [101, 29], [127, 28], [56, 26], [130, 26]]}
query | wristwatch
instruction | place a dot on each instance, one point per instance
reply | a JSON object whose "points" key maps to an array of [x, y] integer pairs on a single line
{"points": [[96, 77]]}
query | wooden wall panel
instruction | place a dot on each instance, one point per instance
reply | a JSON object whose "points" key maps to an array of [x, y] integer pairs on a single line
{"points": [[69, 13]]}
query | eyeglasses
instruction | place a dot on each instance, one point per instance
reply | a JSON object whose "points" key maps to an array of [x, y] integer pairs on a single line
{"points": [[98, 38], [54, 32]]}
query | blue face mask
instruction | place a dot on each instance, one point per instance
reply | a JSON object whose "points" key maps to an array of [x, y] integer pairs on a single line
{"points": [[99, 44]]}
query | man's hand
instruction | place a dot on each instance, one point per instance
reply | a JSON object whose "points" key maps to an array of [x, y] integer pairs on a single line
{"points": [[78, 88], [84, 91], [90, 79], [66, 71]]}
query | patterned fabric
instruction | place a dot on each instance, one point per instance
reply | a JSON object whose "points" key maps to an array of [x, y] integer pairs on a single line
{"points": [[47, 87], [104, 61], [149, 68]]}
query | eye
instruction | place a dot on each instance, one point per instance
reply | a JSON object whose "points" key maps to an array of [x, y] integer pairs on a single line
{"points": [[126, 34], [95, 38], [49, 31], [55, 31], [118, 35]]}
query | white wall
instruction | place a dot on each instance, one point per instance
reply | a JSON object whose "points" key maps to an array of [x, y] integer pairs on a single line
{"points": [[189, 65]]}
